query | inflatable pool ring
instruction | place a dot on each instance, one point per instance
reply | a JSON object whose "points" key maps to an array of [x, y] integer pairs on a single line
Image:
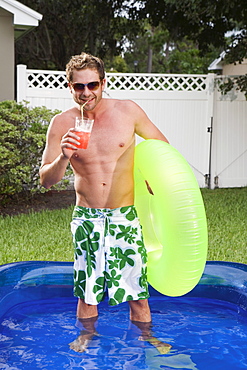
{"points": [[172, 216]]}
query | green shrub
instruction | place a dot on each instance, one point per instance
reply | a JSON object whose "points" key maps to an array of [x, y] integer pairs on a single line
{"points": [[22, 141]]}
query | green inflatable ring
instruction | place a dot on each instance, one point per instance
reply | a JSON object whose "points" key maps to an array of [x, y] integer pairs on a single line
{"points": [[173, 218]]}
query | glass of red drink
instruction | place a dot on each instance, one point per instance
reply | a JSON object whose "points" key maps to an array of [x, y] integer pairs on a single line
{"points": [[83, 128]]}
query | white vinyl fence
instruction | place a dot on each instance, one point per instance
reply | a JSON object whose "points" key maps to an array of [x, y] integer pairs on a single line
{"points": [[209, 130]]}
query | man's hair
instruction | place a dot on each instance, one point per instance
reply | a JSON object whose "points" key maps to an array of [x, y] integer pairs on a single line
{"points": [[84, 61]]}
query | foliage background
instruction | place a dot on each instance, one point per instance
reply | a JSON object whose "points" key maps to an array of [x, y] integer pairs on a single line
{"points": [[22, 142]]}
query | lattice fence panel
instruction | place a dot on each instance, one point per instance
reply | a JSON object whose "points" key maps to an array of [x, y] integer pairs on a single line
{"points": [[46, 79], [120, 81]]}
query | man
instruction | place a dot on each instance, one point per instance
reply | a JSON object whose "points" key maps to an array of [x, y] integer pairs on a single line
{"points": [[107, 236]]}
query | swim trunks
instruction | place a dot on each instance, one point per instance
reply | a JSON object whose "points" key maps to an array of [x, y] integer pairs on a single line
{"points": [[109, 254]]}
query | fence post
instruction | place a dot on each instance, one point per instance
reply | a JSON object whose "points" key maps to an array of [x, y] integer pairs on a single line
{"points": [[21, 82], [210, 128]]}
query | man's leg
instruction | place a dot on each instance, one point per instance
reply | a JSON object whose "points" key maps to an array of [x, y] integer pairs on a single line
{"points": [[86, 311], [141, 317], [87, 316], [140, 311]]}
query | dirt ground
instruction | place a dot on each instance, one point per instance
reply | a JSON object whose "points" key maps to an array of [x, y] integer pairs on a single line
{"points": [[50, 200]]}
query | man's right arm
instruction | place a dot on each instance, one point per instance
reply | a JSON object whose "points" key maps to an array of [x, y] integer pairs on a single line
{"points": [[56, 157], [52, 173]]}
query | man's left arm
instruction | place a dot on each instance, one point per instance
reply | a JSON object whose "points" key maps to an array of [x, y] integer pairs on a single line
{"points": [[145, 128]]}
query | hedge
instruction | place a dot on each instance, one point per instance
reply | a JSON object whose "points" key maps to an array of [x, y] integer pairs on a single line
{"points": [[22, 141]]}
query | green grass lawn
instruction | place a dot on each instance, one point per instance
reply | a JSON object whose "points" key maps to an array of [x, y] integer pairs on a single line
{"points": [[226, 211], [46, 235], [36, 236]]}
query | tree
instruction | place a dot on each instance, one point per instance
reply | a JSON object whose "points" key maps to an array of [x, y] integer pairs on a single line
{"points": [[70, 27], [167, 56], [203, 21]]}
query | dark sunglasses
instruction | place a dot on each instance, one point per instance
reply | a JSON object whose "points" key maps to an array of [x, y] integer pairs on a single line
{"points": [[92, 86]]}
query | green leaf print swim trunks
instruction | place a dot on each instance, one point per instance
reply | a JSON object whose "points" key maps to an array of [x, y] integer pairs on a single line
{"points": [[109, 255]]}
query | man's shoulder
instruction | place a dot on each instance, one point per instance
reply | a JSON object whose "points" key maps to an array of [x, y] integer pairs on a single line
{"points": [[121, 104], [70, 113], [61, 122]]}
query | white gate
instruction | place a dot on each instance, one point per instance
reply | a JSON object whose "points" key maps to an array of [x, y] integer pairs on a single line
{"points": [[229, 146], [210, 132]]}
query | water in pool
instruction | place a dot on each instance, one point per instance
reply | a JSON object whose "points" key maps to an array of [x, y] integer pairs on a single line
{"points": [[204, 334]]}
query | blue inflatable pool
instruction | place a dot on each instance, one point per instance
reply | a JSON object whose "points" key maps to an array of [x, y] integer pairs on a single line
{"points": [[206, 328]]}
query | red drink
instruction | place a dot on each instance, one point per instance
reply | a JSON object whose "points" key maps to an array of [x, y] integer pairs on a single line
{"points": [[83, 128], [84, 138]]}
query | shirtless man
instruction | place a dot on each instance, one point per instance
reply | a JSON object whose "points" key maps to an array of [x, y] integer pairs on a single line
{"points": [[104, 187]]}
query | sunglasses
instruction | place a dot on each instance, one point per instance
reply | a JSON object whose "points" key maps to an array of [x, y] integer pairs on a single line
{"points": [[92, 86]]}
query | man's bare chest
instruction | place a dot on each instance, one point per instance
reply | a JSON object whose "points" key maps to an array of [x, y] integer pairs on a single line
{"points": [[112, 135], [106, 147]]}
